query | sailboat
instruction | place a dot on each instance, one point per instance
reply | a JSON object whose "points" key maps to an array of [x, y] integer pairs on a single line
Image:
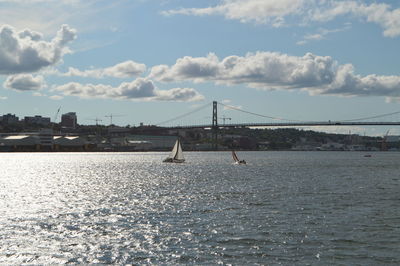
{"points": [[236, 159], [176, 155]]}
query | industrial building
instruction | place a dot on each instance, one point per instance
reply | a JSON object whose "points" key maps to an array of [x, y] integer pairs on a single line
{"points": [[44, 141]]}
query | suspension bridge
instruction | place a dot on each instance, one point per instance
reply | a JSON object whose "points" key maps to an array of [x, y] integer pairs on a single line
{"points": [[273, 121]]}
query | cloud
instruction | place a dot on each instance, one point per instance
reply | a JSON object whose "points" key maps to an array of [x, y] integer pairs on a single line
{"points": [[24, 82], [258, 11], [349, 84], [125, 69], [381, 14], [39, 94], [197, 69], [271, 71], [261, 69], [274, 12], [141, 88], [56, 97], [3, 98], [25, 51], [47, 15], [227, 105], [321, 34], [69, 2]]}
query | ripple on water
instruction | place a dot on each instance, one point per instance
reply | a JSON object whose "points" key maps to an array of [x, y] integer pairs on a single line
{"points": [[129, 208]]}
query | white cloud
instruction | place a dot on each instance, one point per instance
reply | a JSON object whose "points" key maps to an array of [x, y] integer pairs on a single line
{"points": [[302, 42], [125, 69], [196, 69], [141, 88], [25, 82], [178, 94], [38, 94], [227, 104], [56, 97], [70, 2], [274, 12], [261, 69], [19, 15], [266, 70], [3, 98], [258, 11], [349, 84], [25, 51], [381, 14], [47, 15], [321, 34]]}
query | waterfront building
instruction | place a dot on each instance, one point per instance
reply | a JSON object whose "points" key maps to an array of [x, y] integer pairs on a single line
{"points": [[44, 140], [69, 120], [139, 142], [37, 120], [71, 143], [9, 119], [392, 139]]}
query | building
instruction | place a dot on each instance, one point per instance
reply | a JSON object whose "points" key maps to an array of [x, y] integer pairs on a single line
{"points": [[9, 119], [69, 120], [37, 120], [392, 139], [71, 143], [20, 143], [44, 141], [138, 143], [46, 138]]}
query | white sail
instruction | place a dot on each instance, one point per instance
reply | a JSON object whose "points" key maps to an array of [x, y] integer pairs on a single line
{"points": [[174, 150], [236, 159], [176, 155], [234, 156], [179, 153]]}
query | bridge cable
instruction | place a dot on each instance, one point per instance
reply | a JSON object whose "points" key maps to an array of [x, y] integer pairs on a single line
{"points": [[183, 115], [371, 117], [265, 116], [283, 119]]}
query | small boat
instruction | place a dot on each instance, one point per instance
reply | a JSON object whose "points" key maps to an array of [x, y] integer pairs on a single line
{"points": [[367, 155], [176, 155], [236, 159]]}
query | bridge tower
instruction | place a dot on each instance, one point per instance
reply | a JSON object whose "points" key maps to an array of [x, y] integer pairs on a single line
{"points": [[214, 128]]}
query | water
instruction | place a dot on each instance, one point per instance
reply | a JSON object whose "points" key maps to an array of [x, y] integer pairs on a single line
{"points": [[288, 208]]}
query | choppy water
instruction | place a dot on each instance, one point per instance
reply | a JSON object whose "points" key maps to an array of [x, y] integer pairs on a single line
{"points": [[304, 208]]}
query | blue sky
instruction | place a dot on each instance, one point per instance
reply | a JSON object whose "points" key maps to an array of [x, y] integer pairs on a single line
{"points": [[152, 60]]}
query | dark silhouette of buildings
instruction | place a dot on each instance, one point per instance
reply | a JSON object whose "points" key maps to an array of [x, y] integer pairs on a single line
{"points": [[69, 120]]}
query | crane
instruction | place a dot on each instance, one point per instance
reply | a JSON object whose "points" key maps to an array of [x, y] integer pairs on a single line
{"points": [[225, 118], [56, 115], [111, 117], [96, 119]]}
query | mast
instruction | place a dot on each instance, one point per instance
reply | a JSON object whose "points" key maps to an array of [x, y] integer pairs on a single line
{"points": [[178, 143], [235, 158]]}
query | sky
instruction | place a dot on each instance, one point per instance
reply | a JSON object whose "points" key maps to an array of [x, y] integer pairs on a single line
{"points": [[148, 61]]}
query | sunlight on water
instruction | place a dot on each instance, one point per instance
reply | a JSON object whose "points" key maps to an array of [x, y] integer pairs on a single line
{"points": [[281, 208]]}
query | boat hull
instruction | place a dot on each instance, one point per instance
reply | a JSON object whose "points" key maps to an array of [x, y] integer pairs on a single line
{"points": [[171, 160]]}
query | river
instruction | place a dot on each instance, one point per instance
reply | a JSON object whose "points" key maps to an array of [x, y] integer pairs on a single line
{"points": [[282, 208]]}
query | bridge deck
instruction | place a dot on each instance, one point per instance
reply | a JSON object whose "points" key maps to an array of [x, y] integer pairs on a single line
{"points": [[290, 124]]}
